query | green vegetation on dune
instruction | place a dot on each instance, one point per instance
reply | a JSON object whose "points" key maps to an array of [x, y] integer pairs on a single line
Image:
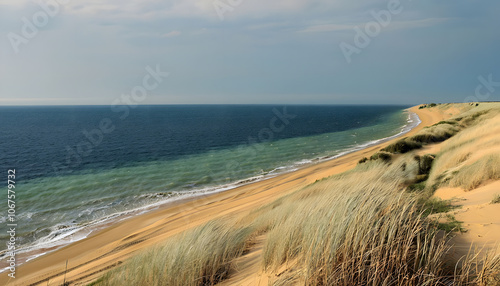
{"points": [[449, 122], [403, 146], [417, 187], [384, 156], [425, 163], [433, 134], [430, 105], [451, 224]]}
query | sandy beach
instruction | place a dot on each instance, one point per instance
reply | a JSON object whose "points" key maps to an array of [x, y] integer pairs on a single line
{"points": [[89, 258]]}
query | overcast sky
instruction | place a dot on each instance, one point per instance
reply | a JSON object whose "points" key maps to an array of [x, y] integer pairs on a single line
{"points": [[248, 51]]}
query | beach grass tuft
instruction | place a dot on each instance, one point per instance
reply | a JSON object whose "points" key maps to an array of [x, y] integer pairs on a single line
{"points": [[202, 256], [361, 161], [478, 269], [384, 156]]}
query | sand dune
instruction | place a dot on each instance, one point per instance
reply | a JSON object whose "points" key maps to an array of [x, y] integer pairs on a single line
{"points": [[481, 218]]}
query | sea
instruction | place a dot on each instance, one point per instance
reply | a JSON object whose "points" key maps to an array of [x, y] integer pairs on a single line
{"points": [[78, 168]]}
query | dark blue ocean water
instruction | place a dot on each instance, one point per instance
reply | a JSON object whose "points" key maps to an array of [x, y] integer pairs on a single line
{"points": [[44, 141], [80, 166]]}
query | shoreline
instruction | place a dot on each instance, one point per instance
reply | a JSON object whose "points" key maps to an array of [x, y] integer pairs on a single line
{"points": [[118, 240]]}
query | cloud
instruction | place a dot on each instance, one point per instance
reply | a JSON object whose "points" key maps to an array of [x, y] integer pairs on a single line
{"points": [[172, 34], [15, 3], [327, 28], [394, 25], [33, 100], [148, 9], [421, 23]]}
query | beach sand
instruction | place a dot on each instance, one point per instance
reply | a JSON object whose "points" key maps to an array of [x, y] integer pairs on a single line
{"points": [[89, 258], [479, 217]]}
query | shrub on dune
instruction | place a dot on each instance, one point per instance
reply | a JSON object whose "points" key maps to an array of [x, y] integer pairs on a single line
{"points": [[435, 134], [402, 146], [384, 156]]}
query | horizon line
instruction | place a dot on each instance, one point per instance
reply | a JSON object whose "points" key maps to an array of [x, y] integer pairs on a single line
{"points": [[213, 104]]}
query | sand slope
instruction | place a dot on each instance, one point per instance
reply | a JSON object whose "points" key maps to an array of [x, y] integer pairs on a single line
{"points": [[480, 218]]}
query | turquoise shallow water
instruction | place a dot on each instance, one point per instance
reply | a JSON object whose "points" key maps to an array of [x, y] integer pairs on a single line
{"points": [[54, 210]]}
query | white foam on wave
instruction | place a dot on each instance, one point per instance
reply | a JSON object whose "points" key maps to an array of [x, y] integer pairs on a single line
{"points": [[412, 121]]}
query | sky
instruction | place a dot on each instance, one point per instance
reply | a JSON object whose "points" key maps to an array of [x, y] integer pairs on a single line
{"points": [[67, 52]]}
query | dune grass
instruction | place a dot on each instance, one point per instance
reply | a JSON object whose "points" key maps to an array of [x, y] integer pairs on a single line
{"points": [[472, 157], [368, 234], [202, 256], [472, 176], [346, 231], [475, 270]]}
